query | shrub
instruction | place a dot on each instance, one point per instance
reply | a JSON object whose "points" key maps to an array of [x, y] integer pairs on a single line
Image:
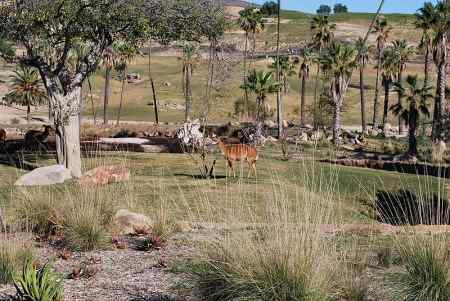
{"points": [[38, 285], [426, 273], [13, 253]]}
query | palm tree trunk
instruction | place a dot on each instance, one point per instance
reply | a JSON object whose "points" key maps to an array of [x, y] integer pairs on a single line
{"points": [[337, 124], [387, 88], [401, 125], [188, 93], [124, 80], [363, 103], [94, 112], [440, 108], [426, 66], [152, 85], [245, 74], [412, 140], [316, 87], [279, 96], [28, 113], [302, 100], [377, 92], [106, 94]]}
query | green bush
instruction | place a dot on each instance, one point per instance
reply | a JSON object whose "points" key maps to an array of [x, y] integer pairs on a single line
{"points": [[38, 285]]}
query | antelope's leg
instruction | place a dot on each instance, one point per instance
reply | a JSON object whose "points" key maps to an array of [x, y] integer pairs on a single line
{"points": [[254, 168]]}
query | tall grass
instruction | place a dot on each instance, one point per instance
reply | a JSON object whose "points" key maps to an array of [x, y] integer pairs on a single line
{"points": [[281, 255], [13, 253]]}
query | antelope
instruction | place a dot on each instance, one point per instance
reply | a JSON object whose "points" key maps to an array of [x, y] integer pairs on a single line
{"points": [[239, 152], [2, 135], [33, 136]]}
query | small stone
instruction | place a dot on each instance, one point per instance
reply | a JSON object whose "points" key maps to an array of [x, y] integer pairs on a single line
{"points": [[128, 221]]}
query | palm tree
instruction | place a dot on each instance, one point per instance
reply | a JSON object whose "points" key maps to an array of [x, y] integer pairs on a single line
{"points": [[306, 56], [382, 30], [250, 21], [388, 75], [108, 62], [322, 31], [401, 52], [287, 68], [424, 19], [125, 54], [338, 63], [190, 61], [27, 89], [261, 83], [363, 57], [441, 26], [417, 98]]}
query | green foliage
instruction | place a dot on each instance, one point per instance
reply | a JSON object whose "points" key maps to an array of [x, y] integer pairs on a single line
{"points": [[324, 10], [322, 31], [340, 8], [426, 275], [27, 89], [13, 254], [251, 20], [269, 8], [85, 234], [38, 285]]}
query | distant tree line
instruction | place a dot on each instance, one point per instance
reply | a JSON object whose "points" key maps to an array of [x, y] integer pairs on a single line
{"points": [[338, 8]]}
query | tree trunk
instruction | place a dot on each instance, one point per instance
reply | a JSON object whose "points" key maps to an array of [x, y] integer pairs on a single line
{"points": [[152, 85], [316, 87], [279, 96], [412, 140], [337, 124], [377, 92], [188, 94], [401, 124], [302, 100], [440, 110], [68, 130], [94, 111], [28, 113], [245, 74], [124, 81], [363, 103], [427, 66], [106, 95], [387, 88]]}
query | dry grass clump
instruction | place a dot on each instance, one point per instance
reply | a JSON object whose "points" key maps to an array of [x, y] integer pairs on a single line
{"points": [[82, 215], [282, 256], [13, 253]]}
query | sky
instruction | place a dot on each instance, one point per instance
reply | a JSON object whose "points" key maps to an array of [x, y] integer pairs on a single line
{"points": [[391, 6]]}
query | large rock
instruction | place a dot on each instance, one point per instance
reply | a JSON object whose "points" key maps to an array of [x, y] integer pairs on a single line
{"points": [[48, 175], [104, 175], [130, 222]]}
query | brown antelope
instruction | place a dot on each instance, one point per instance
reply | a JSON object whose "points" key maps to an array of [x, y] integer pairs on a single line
{"points": [[2, 136], [34, 136], [239, 152]]}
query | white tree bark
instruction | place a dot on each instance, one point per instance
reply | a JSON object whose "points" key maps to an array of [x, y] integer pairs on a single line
{"points": [[66, 116]]}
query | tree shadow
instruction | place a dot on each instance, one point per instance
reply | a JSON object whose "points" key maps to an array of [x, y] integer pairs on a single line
{"points": [[403, 207], [199, 177]]}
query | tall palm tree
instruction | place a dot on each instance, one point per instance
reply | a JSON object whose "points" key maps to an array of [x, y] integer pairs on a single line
{"points": [[108, 62], [261, 83], [286, 68], [388, 74], [363, 56], [250, 21], [279, 95], [27, 89], [416, 98], [382, 29], [125, 54], [322, 30], [190, 61], [306, 57], [338, 63], [441, 27], [401, 52], [424, 19]]}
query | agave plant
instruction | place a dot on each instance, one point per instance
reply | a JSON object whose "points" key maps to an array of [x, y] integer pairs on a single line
{"points": [[38, 285]]}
